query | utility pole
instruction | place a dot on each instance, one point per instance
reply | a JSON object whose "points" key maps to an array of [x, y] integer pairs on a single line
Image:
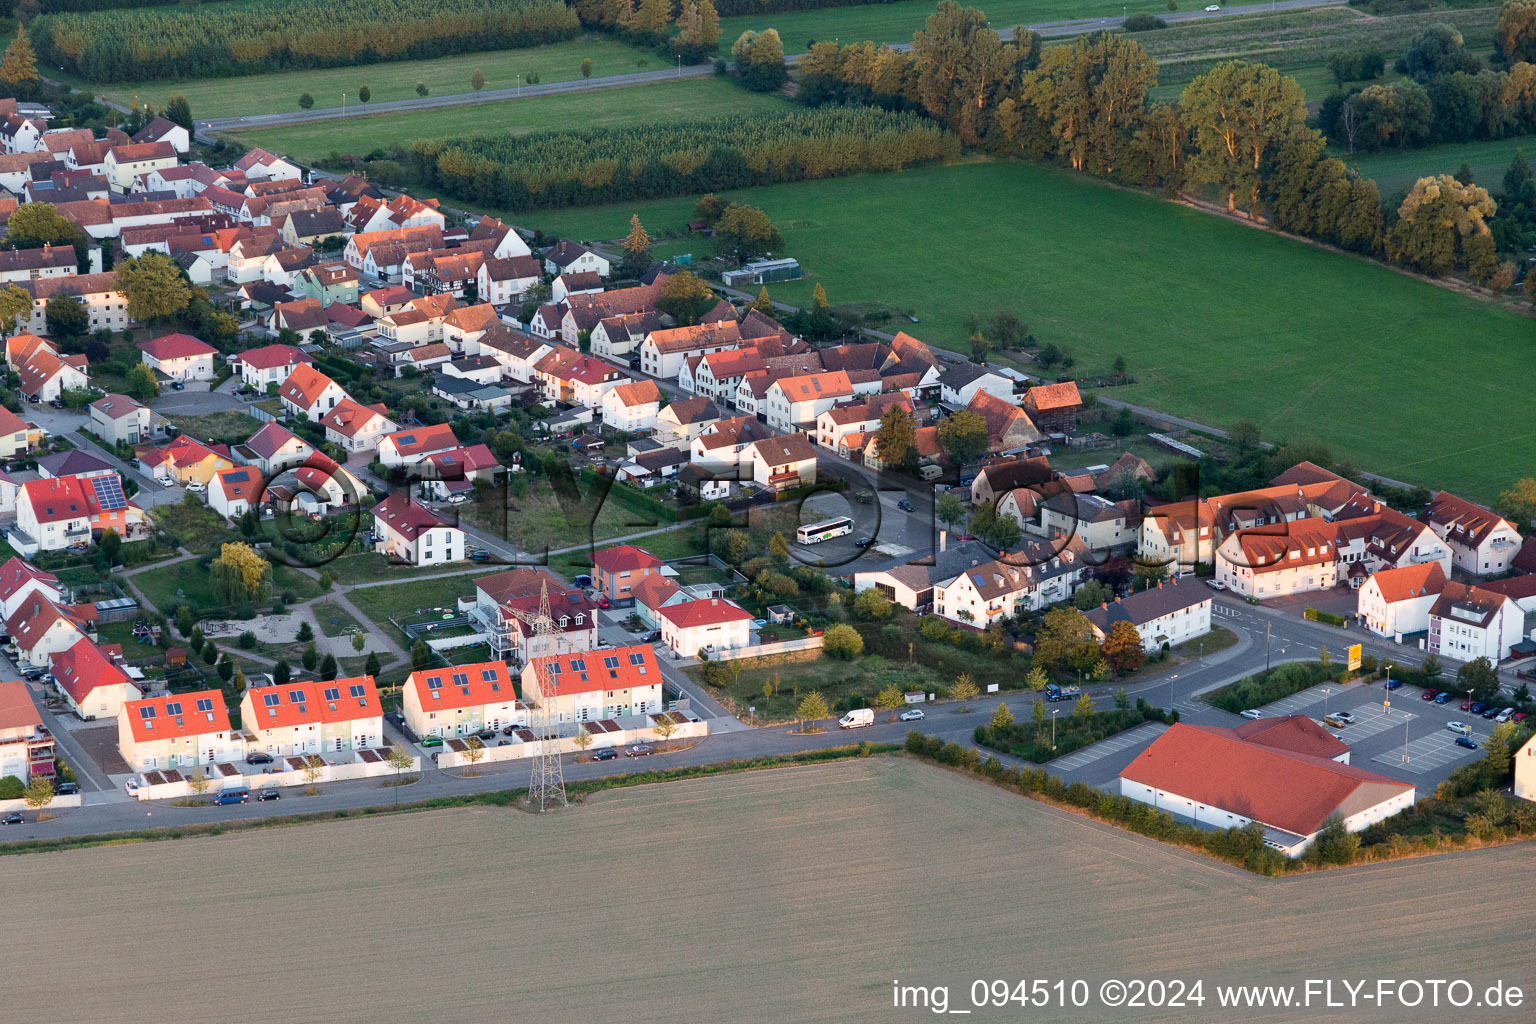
{"points": [[1266, 646]]}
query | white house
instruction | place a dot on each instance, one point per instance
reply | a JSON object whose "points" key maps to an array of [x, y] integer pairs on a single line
{"points": [[1468, 622], [1396, 602], [270, 365], [272, 449], [180, 730], [1166, 615], [93, 685], [310, 394], [1482, 543], [123, 164], [632, 407], [590, 686], [415, 534], [357, 428], [412, 445], [794, 403], [20, 581], [26, 748], [234, 492], [319, 717], [259, 164], [960, 384], [179, 357], [713, 624], [780, 463], [570, 258], [1313, 554], [461, 700], [120, 419]]}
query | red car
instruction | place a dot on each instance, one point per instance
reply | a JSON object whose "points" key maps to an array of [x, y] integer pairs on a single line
{"points": [[1428, 695], [1466, 705], [602, 602]]}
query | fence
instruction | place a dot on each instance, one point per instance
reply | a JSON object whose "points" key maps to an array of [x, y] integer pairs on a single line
{"points": [[72, 800], [356, 768], [450, 758], [804, 643]]}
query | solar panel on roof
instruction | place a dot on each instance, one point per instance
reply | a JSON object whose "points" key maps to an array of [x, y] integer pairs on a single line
{"points": [[173, 708], [239, 477], [271, 700], [356, 689], [204, 704], [147, 712], [109, 492]]}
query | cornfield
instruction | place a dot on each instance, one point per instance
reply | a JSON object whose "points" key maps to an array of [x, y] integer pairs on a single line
{"points": [[229, 39], [586, 167]]}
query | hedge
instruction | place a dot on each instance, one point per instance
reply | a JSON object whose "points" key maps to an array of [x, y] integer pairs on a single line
{"points": [[1264, 687]]}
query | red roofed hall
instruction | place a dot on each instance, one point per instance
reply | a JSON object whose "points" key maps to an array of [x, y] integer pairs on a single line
{"points": [[1219, 778]]}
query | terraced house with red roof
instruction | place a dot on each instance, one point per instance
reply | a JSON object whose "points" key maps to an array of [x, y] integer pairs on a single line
{"points": [[461, 700], [186, 461], [179, 357], [589, 686], [177, 731], [26, 750], [320, 717]]}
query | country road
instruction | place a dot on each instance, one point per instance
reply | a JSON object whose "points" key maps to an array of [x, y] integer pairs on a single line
{"points": [[1049, 29]]}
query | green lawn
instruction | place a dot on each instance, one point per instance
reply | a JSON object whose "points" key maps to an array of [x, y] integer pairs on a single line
{"points": [[333, 618], [1217, 321], [395, 80], [598, 108], [895, 22], [193, 525], [232, 424], [403, 599], [1397, 170]]}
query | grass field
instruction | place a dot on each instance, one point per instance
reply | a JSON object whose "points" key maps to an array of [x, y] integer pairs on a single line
{"points": [[404, 599], [601, 107], [1397, 170], [393, 80], [1217, 321], [816, 887]]}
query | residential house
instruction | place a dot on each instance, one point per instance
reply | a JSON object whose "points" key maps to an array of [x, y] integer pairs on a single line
{"points": [[408, 447], [415, 534], [781, 463], [26, 748], [123, 165], [707, 625], [718, 374], [320, 717], [1396, 603], [234, 492], [270, 365], [118, 419], [185, 461], [1053, 408], [105, 306], [62, 512], [571, 258], [996, 480], [369, 215], [259, 164], [45, 375], [180, 730], [962, 382], [663, 352], [632, 407], [272, 449], [652, 594], [517, 353], [721, 447], [20, 581], [1103, 525], [311, 227], [683, 420], [41, 629], [590, 686], [1466, 623], [355, 427], [18, 265], [615, 337], [566, 285], [461, 700], [795, 403], [836, 423], [500, 281], [93, 685], [330, 283], [1009, 429], [17, 436], [1216, 778], [179, 357], [468, 324], [1481, 542], [161, 129], [573, 616], [1165, 616], [568, 376], [310, 394], [444, 474], [617, 570]]}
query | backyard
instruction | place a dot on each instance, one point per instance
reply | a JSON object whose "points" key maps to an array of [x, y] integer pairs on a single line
{"points": [[232, 425], [400, 600], [1174, 291]]}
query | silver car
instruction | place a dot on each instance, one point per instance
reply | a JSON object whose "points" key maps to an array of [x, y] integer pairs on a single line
{"points": [[915, 715]]}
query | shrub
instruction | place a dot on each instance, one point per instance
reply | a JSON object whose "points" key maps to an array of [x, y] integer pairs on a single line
{"points": [[1141, 22], [11, 788], [843, 643], [1263, 687]]}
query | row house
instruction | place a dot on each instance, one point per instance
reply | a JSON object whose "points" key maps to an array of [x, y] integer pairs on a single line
{"points": [[31, 264], [106, 308], [123, 165], [26, 748], [313, 718], [181, 730], [794, 403], [683, 420], [61, 512], [359, 254], [716, 374], [584, 312], [632, 407], [591, 686], [720, 447], [1395, 603], [664, 352], [369, 215], [1165, 616], [565, 375], [615, 337], [503, 280], [462, 700], [186, 460]]}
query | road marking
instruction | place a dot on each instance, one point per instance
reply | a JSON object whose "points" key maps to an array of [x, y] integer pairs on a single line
{"points": [[1146, 732], [1427, 753], [1369, 721]]}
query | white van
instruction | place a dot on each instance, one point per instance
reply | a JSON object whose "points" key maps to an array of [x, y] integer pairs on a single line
{"points": [[857, 719]]}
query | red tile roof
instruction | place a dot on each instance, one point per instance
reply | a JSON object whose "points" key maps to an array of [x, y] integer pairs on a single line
{"points": [[339, 700], [269, 439], [624, 558], [17, 711], [1291, 791], [708, 612], [270, 357], [349, 418], [15, 574], [1295, 733], [56, 499], [621, 668], [417, 440], [304, 386], [1410, 581], [463, 686], [84, 668], [405, 517], [176, 346], [176, 715]]}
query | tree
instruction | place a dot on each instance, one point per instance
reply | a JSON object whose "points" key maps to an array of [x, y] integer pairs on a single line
{"points": [[66, 316], [1002, 718], [15, 306], [964, 436], [950, 509], [665, 728], [372, 666], [421, 655], [179, 111], [18, 68], [312, 770], [1434, 221], [282, 672], [240, 575], [685, 297], [421, 88], [778, 547], [226, 669], [889, 699], [1479, 679], [399, 759], [141, 383], [959, 68], [306, 632], [637, 250], [1091, 595], [1065, 640], [1518, 504], [1037, 678], [359, 642], [964, 689], [1238, 112], [872, 606], [759, 58], [586, 67], [111, 544], [197, 782], [746, 233], [1430, 669], [210, 653], [1436, 50], [1514, 38], [812, 708], [1083, 708], [38, 794], [763, 304], [153, 284], [842, 642], [1122, 648], [477, 80], [306, 101], [1037, 712], [896, 440], [1122, 700], [328, 667], [474, 753], [310, 658], [364, 94]]}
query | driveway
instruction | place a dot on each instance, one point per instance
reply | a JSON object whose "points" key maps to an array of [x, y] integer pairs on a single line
{"points": [[195, 403]]}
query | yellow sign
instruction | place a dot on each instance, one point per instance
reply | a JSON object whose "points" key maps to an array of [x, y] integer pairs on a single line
{"points": [[1354, 657]]}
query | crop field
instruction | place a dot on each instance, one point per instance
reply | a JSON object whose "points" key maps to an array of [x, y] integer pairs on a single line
{"points": [[1395, 171], [599, 108], [279, 92], [800, 893], [895, 22], [1309, 342]]}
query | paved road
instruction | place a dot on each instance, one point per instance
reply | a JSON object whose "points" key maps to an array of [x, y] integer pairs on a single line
{"points": [[1050, 29]]}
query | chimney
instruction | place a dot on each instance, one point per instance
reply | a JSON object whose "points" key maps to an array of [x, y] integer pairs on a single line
{"points": [[1105, 604], [1159, 584]]}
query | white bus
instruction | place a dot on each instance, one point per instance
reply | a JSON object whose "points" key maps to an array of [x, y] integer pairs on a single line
{"points": [[815, 533]]}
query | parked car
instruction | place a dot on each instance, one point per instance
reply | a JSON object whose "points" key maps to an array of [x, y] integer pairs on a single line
{"points": [[485, 735], [1216, 584], [431, 741], [640, 750], [56, 403], [1444, 697], [1505, 715], [479, 556], [652, 637], [1393, 684], [1466, 705], [131, 787], [906, 506], [1428, 695], [14, 818], [1518, 716], [863, 542], [1461, 727], [603, 602], [606, 754], [1339, 719], [1464, 741], [1493, 711], [914, 715], [258, 758], [177, 385], [1478, 707], [1212, 8], [1253, 713], [268, 794], [67, 789], [582, 581], [233, 796], [34, 399]]}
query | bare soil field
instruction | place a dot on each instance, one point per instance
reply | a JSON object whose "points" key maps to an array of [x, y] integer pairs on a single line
{"points": [[790, 895]]}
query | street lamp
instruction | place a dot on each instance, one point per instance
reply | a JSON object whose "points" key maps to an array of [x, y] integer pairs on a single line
{"points": [[519, 86], [1326, 692], [343, 104], [1054, 713]]}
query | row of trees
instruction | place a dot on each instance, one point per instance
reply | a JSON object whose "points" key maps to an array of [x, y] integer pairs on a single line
{"points": [[589, 166], [690, 30], [226, 40], [1456, 107]]}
